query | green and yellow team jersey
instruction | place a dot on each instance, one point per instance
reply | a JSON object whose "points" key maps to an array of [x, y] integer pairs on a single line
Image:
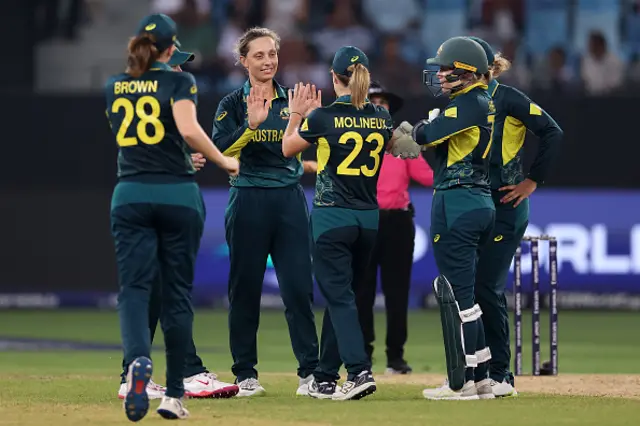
{"points": [[515, 113], [351, 144], [259, 151], [460, 137], [141, 118]]}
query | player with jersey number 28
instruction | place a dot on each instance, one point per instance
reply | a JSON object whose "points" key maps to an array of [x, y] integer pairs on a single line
{"points": [[350, 136], [157, 210], [199, 382]]}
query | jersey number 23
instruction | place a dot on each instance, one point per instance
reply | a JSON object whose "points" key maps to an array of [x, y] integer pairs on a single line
{"points": [[345, 167]]}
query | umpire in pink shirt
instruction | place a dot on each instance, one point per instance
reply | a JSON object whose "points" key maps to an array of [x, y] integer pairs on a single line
{"points": [[393, 252]]}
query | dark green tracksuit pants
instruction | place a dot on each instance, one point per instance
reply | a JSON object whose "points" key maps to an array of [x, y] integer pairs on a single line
{"points": [[259, 222], [343, 243], [157, 230], [461, 222], [491, 278], [194, 362]]}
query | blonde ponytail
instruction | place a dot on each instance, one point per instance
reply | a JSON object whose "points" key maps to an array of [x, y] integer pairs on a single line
{"points": [[359, 84], [500, 65]]}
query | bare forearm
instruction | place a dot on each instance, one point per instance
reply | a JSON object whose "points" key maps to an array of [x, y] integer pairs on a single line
{"points": [[200, 142], [184, 114], [293, 124], [292, 143]]}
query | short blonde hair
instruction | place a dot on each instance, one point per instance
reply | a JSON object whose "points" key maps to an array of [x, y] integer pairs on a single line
{"points": [[241, 48]]}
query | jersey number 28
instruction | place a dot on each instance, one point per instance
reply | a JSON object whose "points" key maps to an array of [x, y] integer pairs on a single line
{"points": [[144, 119], [345, 167]]}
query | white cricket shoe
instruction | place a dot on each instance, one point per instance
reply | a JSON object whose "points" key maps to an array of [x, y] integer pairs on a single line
{"points": [[172, 409], [207, 385], [484, 389], [444, 392], [503, 389], [154, 390], [250, 387], [303, 385]]}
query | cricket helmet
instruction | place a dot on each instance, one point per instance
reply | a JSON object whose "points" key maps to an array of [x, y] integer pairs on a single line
{"points": [[462, 55]]}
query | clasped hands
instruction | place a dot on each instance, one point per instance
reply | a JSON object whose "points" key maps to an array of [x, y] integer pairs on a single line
{"points": [[403, 144]]}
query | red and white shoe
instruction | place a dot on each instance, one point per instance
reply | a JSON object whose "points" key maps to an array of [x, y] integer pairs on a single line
{"points": [[154, 390], [207, 385]]}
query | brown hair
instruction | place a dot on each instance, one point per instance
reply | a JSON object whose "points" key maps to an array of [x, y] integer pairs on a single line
{"points": [[358, 84], [500, 65], [142, 54], [241, 48]]}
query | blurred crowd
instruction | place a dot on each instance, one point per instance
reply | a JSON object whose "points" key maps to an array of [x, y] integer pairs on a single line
{"points": [[564, 46]]}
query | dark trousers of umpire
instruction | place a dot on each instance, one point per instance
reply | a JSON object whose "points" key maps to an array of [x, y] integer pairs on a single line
{"points": [[260, 222], [343, 243], [194, 362], [491, 278], [157, 230], [393, 255]]}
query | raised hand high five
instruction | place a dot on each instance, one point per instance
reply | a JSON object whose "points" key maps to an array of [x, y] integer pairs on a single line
{"points": [[304, 99], [315, 98], [258, 103]]}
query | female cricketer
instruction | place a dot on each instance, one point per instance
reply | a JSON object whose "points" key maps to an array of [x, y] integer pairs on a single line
{"points": [[393, 252], [157, 212], [510, 189], [267, 214], [351, 135], [198, 382], [463, 213]]}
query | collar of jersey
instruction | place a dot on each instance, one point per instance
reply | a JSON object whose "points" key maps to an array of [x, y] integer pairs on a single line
{"points": [[346, 99], [470, 88], [160, 66], [279, 90], [492, 87]]}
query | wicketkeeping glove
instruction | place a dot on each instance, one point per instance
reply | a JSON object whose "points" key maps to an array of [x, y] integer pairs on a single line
{"points": [[404, 146]]}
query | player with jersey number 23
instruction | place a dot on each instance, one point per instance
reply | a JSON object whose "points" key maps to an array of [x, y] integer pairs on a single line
{"points": [[350, 135]]}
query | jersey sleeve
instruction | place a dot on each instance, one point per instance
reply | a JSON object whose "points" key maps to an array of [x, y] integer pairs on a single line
{"points": [[185, 87], [543, 126], [230, 135], [456, 118], [108, 95], [313, 127]]}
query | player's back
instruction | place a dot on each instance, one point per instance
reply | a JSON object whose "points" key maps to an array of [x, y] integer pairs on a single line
{"points": [[141, 118], [351, 145]]}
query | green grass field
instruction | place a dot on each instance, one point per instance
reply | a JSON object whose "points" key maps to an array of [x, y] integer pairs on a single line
{"points": [[599, 377]]}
